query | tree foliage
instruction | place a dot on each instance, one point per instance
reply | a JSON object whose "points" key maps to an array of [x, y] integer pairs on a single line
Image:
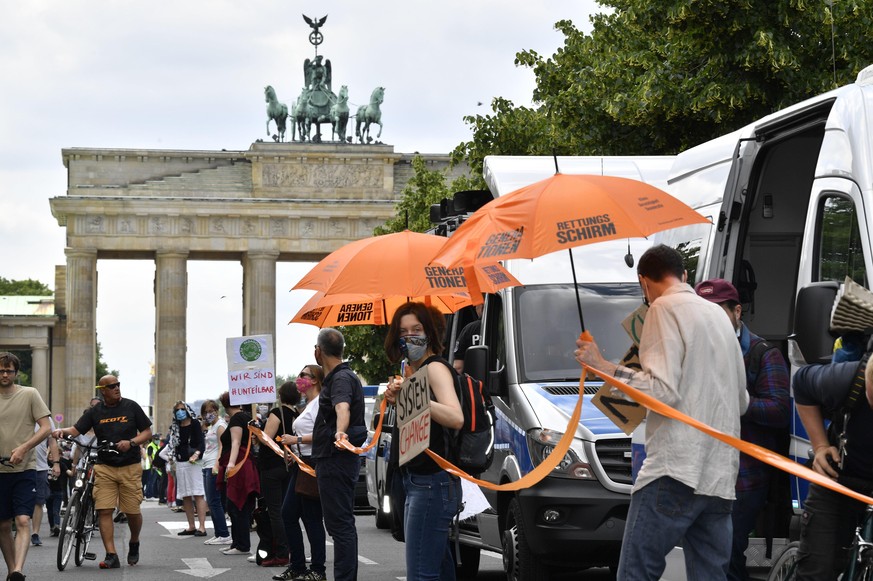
{"points": [[365, 344], [28, 287], [659, 77]]}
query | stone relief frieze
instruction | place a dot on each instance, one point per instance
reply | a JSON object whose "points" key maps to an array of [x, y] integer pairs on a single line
{"points": [[277, 175], [157, 225], [278, 227], [307, 229], [96, 225]]}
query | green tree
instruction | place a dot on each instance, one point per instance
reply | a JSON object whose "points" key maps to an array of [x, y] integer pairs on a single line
{"points": [[28, 287], [365, 344], [659, 77]]}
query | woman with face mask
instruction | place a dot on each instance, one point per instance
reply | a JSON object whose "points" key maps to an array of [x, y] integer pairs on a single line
{"points": [[296, 506], [187, 446], [433, 496], [215, 426]]}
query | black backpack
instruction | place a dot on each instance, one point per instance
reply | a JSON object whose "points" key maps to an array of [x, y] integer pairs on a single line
{"points": [[472, 447]]}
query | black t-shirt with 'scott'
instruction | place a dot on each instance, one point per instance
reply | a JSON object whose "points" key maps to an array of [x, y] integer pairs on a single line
{"points": [[123, 421]]}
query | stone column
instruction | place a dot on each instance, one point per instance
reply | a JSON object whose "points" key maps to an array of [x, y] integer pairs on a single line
{"points": [[81, 290], [259, 294], [40, 376], [171, 303]]}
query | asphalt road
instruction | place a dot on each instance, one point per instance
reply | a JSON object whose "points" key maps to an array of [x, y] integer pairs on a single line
{"points": [[163, 555]]}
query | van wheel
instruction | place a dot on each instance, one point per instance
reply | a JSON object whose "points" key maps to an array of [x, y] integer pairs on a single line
{"points": [[383, 520], [519, 562], [469, 567]]}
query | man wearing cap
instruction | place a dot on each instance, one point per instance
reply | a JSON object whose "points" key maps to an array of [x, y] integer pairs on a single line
{"points": [[765, 422], [118, 475], [691, 361]]}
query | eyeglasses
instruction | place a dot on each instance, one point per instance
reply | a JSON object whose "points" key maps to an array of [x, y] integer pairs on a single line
{"points": [[7, 372], [304, 374], [111, 385]]}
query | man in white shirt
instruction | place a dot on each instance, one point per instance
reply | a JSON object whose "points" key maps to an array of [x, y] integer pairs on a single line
{"points": [[691, 360]]}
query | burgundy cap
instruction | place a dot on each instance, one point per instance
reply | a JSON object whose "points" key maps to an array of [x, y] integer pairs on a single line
{"points": [[717, 290]]}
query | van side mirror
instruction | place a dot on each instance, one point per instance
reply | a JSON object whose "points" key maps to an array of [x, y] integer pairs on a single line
{"points": [[476, 365], [812, 319]]}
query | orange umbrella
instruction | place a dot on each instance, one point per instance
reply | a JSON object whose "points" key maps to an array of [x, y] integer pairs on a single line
{"points": [[334, 310], [562, 212], [398, 265]]}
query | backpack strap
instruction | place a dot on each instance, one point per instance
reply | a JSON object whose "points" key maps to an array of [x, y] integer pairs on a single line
{"points": [[756, 355], [858, 385]]}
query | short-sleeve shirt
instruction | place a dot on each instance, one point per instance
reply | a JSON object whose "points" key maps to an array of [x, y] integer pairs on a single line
{"points": [[210, 455], [237, 420], [269, 459], [19, 410], [123, 421], [470, 335], [340, 385]]}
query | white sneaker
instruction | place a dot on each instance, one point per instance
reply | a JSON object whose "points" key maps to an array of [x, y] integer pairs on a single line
{"points": [[234, 551], [252, 558], [218, 541]]}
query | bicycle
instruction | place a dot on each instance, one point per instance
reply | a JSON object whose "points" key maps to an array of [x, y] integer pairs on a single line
{"points": [[859, 567], [80, 516]]}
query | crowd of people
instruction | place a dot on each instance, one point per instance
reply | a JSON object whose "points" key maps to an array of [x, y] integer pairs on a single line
{"points": [[695, 354]]}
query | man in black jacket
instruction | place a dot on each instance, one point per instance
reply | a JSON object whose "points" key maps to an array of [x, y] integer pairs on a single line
{"points": [[829, 519]]}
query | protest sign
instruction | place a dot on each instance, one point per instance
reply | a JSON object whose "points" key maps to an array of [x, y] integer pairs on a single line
{"points": [[413, 416], [251, 376]]}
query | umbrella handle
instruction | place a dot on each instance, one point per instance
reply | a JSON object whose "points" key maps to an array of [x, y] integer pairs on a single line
{"points": [[586, 336]]}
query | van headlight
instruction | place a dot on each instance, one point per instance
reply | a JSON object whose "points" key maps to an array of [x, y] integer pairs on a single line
{"points": [[574, 464]]}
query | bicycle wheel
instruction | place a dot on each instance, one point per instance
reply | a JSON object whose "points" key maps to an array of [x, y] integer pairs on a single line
{"points": [[863, 573], [69, 528], [785, 567], [88, 523]]}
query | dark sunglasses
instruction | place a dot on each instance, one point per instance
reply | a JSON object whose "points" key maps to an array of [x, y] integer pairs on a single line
{"points": [[304, 374], [111, 385]]}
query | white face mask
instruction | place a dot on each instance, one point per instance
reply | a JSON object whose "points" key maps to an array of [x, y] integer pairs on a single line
{"points": [[416, 346]]}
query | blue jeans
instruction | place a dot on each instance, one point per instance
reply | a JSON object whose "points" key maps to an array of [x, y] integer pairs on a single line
{"points": [[432, 501], [295, 508], [337, 476], [665, 512], [213, 501], [747, 506]]}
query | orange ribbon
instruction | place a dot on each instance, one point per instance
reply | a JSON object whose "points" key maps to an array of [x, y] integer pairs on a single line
{"points": [[762, 454]]}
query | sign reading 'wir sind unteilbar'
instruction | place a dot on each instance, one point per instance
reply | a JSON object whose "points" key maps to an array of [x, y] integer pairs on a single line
{"points": [[251, 376]]}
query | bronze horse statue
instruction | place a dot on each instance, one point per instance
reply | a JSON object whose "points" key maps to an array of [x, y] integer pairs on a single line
{"points": [[339, 114], [277, 112], [368, 114]]}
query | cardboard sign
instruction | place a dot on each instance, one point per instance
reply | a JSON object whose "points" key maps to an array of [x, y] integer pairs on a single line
{"points": [[624, 413], [413, 416], [251, 376]]}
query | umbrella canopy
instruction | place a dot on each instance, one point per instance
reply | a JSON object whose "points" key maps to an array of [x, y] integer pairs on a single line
{"points": [[335, 310], [398, 265], [561, 212]]}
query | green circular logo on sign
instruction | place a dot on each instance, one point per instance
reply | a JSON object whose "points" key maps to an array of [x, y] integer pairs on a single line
{"points": [[250, 350]]}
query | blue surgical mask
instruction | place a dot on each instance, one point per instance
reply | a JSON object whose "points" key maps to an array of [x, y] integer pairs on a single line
{"points": [[181, 415], [416, 346]]}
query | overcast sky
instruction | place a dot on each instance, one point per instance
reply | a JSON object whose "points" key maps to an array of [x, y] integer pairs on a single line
{"points": [[190, 75]]}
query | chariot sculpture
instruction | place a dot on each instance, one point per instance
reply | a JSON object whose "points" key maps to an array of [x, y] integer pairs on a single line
{"points": [[318, 104]]}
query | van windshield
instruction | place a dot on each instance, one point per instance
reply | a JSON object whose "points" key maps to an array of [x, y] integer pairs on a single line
{"points": [[548, 325]]}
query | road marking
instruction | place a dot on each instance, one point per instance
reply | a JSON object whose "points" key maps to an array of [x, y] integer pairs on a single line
{"points": [[366, 561], [201, 568], [175, 526]]}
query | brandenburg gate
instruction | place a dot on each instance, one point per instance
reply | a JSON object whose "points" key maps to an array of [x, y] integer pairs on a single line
{"points": [[276, 201]]}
